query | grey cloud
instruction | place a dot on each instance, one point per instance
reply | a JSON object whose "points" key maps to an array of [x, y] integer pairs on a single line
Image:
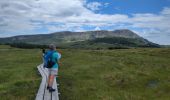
{"points": [[3, 24], [3, 6]]}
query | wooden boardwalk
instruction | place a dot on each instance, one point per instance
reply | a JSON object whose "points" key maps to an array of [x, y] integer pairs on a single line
{"points": [[43, 93]]}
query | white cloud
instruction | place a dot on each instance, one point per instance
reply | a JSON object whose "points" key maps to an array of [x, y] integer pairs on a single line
{"points": [[153, 21], [23, 16], [94, 6], [166, 11], [18, 14], [106, 4], [150, 21]]}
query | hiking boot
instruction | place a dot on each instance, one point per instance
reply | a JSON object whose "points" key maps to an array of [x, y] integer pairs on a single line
{"points": [[51, 89]]}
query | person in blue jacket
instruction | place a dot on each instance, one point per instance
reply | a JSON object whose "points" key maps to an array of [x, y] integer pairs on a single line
{"points": [[53, 71]]}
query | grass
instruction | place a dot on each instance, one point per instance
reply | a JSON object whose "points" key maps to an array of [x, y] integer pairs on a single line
{"points": [[127, 74], [18, 76]]}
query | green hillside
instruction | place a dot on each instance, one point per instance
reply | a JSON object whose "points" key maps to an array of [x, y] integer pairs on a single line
{"points": [[91, 39], [127, 74], [111, 43], [66, 36]]}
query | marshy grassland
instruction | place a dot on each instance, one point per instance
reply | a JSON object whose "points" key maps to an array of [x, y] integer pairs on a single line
{"points": [[120, 74]]}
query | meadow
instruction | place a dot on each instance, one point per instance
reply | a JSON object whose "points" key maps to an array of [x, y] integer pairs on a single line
{"points": [[120, 74], [18, 73]]}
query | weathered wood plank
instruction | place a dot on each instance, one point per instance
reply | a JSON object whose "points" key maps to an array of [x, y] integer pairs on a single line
{"points": [[47, 95], [55, 94], [43, 93], [42, 85]]}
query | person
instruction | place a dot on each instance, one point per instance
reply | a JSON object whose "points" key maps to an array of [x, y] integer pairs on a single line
{"points": [[43, 57], [53, 71]]}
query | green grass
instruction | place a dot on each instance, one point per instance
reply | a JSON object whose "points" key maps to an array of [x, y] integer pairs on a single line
{"points": [[18, 73], [127, 74]]}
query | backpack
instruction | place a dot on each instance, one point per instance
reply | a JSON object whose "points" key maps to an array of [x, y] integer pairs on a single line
{"points": [[50, 63]]}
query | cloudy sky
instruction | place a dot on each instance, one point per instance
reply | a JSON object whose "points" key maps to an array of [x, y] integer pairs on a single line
{"points": [[148, 18]]}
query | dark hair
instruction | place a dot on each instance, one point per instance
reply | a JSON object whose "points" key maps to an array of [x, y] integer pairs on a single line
{"points": [[43, 50]]}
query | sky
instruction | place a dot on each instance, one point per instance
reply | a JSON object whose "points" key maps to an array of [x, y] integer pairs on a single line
{"points": [[148, 18]]}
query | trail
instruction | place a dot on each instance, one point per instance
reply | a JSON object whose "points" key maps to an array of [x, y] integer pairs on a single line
{"points": [[43, 93]]}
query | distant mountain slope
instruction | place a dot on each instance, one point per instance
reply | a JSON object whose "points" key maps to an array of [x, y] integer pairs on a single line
{"points": [[124, 36], [112, 42], [63, 37]]}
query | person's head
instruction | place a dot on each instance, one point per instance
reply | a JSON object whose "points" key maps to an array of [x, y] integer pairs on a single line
{"points": [[52, 47]]}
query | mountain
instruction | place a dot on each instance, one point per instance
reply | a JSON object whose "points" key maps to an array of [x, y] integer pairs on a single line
{"points": [[65, 37], [122, 37], [112, 43]]}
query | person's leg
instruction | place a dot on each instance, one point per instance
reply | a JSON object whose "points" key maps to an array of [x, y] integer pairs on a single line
{"points": [[49, 74], [51, 80]]}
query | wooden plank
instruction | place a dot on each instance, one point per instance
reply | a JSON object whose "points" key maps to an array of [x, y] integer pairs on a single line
{"points": [[43, 93], [40, 93], [55, 94], [47, 95]]}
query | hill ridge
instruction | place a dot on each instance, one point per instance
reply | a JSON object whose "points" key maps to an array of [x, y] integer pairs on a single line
{"points": [[67, 37]]}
